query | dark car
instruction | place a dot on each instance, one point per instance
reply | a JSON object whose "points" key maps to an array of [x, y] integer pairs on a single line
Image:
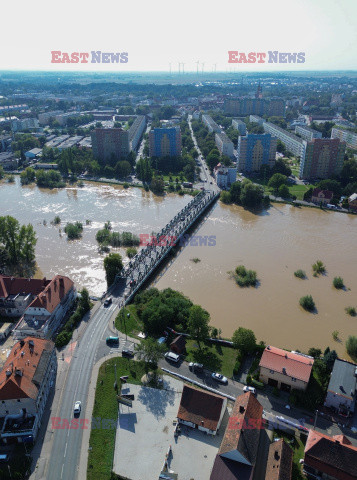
{"points": [[126, 352]]}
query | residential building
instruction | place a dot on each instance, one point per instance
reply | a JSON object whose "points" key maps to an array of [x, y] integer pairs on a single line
{"points": [[178, 345], [237, 455], [329, 458], [345, 136], [225, 176], [280, 461], [321, 197], [285, 370], [110, 142], [256, 119], [136, 131], [24, 124], [307, 133], [211, 124], [254, 106], [255, 150], [341, 391], [33, 154], [294, 144], [352, 202], [8, 161], [5, 142], [323, 158], [201, 409], [25, 383], [196, 115], [165, 142], [54, 142], [16, 294], [240, 126], [46, 312], [69, 142], [224, 144], [45, 117], [5, 330], [320, 118], [276, 107]]}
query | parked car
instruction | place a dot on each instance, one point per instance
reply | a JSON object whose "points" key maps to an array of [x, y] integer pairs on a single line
{"points": [[108, 301], [112, 340], [77, 408], [126, 352], [250, 389], [198, 367], [172, 357], [219, 378]]}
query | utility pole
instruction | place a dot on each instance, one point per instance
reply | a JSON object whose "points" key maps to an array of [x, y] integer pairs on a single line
{"points": [[315, 421]]}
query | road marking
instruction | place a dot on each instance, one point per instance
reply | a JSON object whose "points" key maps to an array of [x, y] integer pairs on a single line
{"points": [[65, 450], [62, 471]]}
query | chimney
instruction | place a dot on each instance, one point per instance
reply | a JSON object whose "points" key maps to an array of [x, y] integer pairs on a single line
{"points": [[22, 343], [241, 409]]}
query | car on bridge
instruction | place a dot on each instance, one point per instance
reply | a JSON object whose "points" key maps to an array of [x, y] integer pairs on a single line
{"points": [[107, 301]]}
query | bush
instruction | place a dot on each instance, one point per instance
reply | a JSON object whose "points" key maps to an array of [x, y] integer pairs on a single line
{"points": [[257, 384], [335, 334], [63, 339], [73, 230], [244, 277], [131, 252], [351, 311], [56, 220], [126, 185], [225, 197], [351, 346], [307, 303], [318, 267], [300, 274], [338, 283], [236, 367], [249, 379]]}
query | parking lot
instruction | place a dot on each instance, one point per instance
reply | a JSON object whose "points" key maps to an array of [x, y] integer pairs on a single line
{"points": [[146, 431]]}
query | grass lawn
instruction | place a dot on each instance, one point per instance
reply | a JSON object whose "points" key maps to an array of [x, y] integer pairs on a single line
{"points": [[213, 356], [167, 178], [298, 446], [133, 324], [299, 190], [102, 440]]}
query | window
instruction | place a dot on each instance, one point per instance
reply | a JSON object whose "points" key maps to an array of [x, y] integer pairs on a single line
{"points": [[293, 379], [271, 371]]}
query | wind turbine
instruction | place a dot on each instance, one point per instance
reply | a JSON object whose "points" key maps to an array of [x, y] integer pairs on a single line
{"points": [[215, 67], [203, 66], [179, 67], [197, 63], [183, 67], [170, 67]]}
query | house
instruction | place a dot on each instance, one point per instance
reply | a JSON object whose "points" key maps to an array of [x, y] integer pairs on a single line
{"points": [[341, 391], [8, 161], [237, 455], [285, 370], [5, 330], [352, 202], [225, 176], [45, 313], [280, 461], [201, 409], [16, 294], [25, 382], [321, 196], [330, 458], [33, 154], [178, 345]]}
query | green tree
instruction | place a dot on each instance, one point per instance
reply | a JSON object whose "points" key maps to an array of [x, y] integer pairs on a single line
{"points": [[198, 321], [252, 195], [284, 191], [84, 301], [151, 352], [235, 192], [351, 346], [2, 172], [244, 340], [276, 181], [18, 242], [112, 265], [157, 185]]}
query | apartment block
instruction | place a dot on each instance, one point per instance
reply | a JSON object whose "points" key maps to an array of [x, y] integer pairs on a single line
{"points": [[239, 125], [345, 136], [110, 142], [255, 150], [210, 124], [323, 158], [165, 142], [224, 144], [136, 131], [307, 133]]}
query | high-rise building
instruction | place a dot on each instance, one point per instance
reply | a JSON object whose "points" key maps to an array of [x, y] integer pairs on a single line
{"points": [[255, 150], [323, 158], [239, 125], [165, 142], [346, 136], [224, 144], [109, 142], [254, 106], [307, 133]]}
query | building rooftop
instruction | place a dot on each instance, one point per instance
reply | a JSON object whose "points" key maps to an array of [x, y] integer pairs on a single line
{"points": [[292, 364], [200, 407], [343, 379], [15, 285], [53, 294], [23, 371], [280, 461], [226, 469]]}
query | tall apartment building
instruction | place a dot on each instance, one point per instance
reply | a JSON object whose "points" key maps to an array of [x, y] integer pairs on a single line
{"points": [[323, 158], [25, 383], [210, 124], [109, 142], [45, 117], [24, 124], [136, 131], [307, 133], [239, 125], [254, 106], [224, 144], [294, 144], [165, 142], [255, 150], [345, 136]]}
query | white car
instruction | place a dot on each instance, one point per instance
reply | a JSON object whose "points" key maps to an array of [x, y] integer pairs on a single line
{"points": [[77, 408], [250, 389], [219, 378]]}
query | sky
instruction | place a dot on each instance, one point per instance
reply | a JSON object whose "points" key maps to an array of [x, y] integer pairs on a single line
{"points": [[157, 33]]}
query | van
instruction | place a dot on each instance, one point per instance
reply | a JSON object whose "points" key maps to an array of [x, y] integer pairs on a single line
{"points": [[112, 340], [172, 357]]}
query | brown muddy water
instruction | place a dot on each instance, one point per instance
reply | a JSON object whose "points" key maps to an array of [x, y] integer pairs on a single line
{"points": [[274, 243]]}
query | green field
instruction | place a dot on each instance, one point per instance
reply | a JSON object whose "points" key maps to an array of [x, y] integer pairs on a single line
{"points": [[131, 324], [299, 190], [102, 440], [213, 356]]}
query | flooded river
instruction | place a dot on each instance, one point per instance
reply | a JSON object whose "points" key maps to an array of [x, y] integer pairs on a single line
{"points": [[274, 243]]}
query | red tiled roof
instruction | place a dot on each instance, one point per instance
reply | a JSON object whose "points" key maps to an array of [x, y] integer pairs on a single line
{"points": [[53, 294], [331, 455], [23, 385], [241, 434], [326, 193], [288, 363], [226, 469], [15, 285], [280, 461], [200, 407]]}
